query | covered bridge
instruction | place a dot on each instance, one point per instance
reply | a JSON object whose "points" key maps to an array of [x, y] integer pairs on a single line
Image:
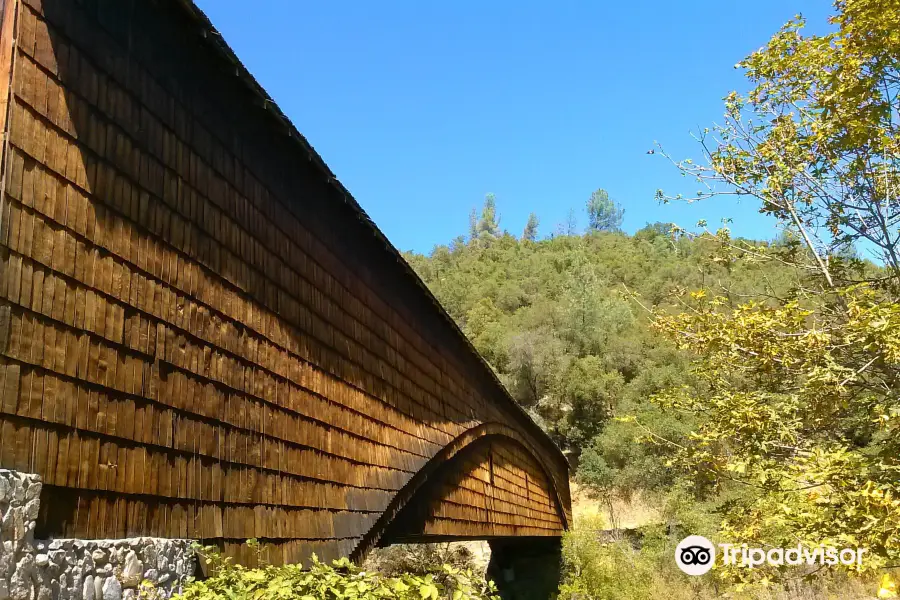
{"points": [[202, 334]]}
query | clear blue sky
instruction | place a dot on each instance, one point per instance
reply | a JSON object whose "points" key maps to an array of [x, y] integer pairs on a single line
{"points": [[421, 108]]}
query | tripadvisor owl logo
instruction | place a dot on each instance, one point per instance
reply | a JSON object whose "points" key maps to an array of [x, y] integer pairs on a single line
{"points": [[695, 555]]}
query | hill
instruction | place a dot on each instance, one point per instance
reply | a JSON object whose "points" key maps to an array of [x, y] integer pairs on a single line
{"points": [[564, 322]]}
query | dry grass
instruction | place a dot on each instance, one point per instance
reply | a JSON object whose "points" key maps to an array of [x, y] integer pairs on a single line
{"points": [[619, 513], [641, 510]]}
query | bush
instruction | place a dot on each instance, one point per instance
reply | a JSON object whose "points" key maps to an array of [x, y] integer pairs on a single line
{"points": [[595, 570], [617, 571], [340, 580], [424, 559]]}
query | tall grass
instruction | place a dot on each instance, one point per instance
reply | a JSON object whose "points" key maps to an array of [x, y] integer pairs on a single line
{"points": [[618, 571]]}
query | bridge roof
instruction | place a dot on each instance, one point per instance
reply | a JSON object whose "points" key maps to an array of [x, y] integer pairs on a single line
{"points": [[281, 121]]}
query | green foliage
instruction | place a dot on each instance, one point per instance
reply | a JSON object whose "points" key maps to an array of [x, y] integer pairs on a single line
{"points": [[631, 453], [815, 139], [604, 214], [616, 571], [340, 580], [796, 397], [531, 227], [488, 225], [800, 408], [422, 559], [558, 320]]}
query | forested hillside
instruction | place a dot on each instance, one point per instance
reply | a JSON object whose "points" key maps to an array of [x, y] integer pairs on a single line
{"points": [[565, 322]]}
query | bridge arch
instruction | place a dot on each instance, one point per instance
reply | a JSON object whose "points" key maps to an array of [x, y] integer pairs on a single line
{"points": [[423, 490]]}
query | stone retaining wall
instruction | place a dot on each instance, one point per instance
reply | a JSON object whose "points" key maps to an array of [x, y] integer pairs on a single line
{"points": [[67, 569]]}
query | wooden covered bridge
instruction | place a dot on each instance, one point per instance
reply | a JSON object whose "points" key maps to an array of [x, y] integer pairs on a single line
{"points": [[202, 334]]}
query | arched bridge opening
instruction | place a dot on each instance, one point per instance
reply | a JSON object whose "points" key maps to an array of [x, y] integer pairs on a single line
{"points": [[486, 485]]}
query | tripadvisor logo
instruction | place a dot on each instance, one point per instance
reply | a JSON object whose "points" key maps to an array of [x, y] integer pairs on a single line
{"points": [[696, 555]]}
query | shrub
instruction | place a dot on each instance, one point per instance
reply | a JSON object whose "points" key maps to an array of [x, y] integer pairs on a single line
{"points": [[595, 570], [617, 571], [320, 581], [424, 559]]}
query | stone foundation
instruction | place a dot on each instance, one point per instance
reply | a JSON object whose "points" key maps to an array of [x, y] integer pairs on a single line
{"points": [[67, 569]]}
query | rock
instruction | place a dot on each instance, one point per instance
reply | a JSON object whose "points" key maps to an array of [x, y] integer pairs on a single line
{"points": [[75, 577], [129, 595], [59, 591], [21, 587], [32, 508], [131, 572], [18, 493], [98, 587], [150, 555], [99, 556], [87, 563], [34, 491], [87, 590], [7, 524], [151, 575], [24, 571], [105, 570], [4, 490], [112, 589], [41, 560]]}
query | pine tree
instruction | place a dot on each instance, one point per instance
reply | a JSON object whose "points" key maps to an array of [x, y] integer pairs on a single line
{"points": [[473, 225], [531, 228], [489, 224], [604, 214]]}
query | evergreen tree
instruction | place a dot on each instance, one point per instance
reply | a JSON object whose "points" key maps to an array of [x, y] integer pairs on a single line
{"points": [[570, 226], [604, 214], [489, 224], [530, 233]]}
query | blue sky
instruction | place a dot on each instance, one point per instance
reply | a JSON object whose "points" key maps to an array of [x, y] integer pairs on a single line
{"points": [[421, 108]]}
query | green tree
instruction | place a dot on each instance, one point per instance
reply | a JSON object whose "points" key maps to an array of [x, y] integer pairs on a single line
{"points": [[531, 228], [535, 308], [604, 214], [590, 394], [489, 224], [797, 399], [823, 152]]}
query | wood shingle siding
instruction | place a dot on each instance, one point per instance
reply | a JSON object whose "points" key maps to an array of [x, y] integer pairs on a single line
{"points": [[201, 335]]}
